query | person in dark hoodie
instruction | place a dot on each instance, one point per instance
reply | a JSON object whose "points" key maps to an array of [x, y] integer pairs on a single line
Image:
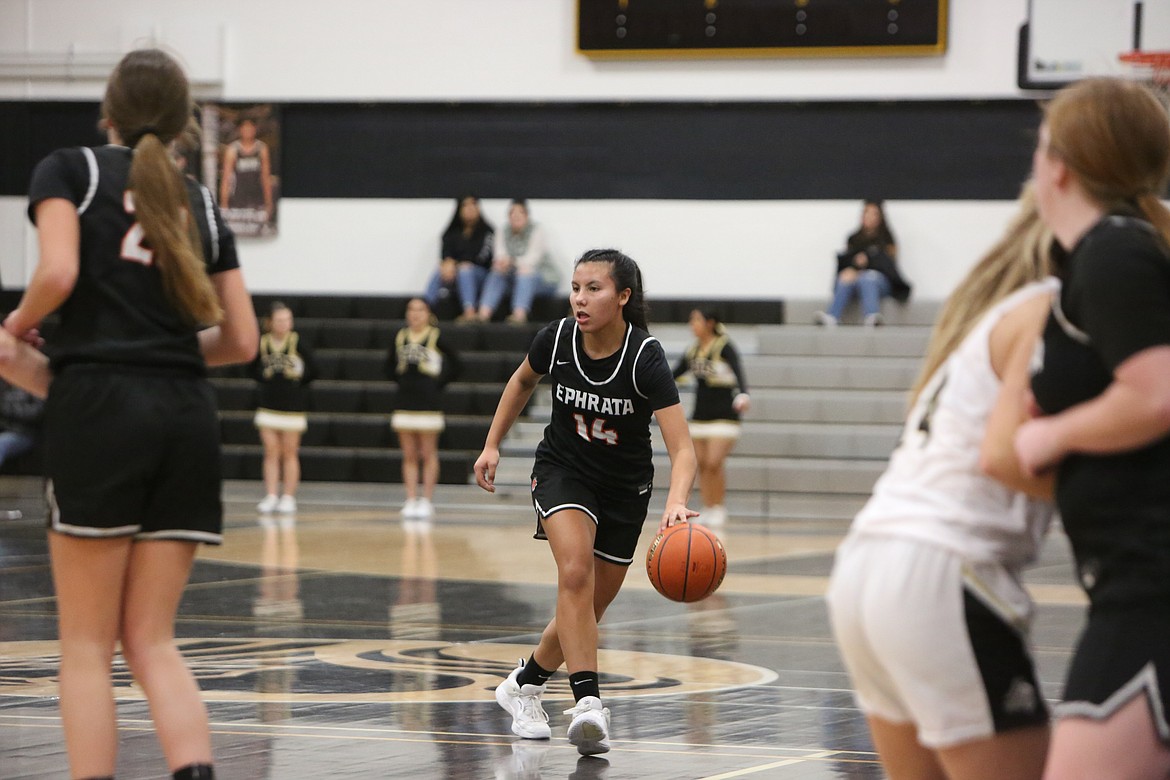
{"points": [[464, 260], [867, 270]]}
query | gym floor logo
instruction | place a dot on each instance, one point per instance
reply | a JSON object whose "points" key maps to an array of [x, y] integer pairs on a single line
{"points": [[364, 670]]}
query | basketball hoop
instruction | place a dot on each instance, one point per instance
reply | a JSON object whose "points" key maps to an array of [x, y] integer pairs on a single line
{"points": [[1151, 66]]}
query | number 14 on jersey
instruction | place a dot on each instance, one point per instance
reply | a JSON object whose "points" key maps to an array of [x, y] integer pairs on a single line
{"points": [[595, 431]]}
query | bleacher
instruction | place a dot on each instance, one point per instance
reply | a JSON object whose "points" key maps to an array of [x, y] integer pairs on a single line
{"points": [[827, 404], [349, 438], [827, 408]]}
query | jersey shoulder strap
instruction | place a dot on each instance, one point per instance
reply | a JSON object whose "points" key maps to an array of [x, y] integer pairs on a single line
{"points": [[552, 360], [91, 189]]}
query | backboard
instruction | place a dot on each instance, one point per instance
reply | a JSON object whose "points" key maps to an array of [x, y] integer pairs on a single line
{"points": [[1066, 40]]}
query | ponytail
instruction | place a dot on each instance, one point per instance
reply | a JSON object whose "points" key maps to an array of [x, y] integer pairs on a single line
{"points": [[148, 100], [162, 208], [1158, 215]]}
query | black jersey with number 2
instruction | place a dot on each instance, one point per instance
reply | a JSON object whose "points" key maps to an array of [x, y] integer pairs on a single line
{"points": [[118, 312], [600, 427]]}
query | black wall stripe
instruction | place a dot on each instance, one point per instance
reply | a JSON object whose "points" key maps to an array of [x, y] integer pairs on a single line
{"points": [[907, 150]]}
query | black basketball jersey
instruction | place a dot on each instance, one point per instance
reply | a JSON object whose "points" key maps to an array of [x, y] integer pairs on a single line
{"points": [[247, 185], [718, 376], [118, 313], [600, 426], [1115, 302]]}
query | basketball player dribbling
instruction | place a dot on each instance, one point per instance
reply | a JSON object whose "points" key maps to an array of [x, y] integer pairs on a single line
{"points": [[592, 479]]}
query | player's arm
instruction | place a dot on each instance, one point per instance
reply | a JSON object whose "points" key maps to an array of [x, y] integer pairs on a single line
{"points": [[742, 401], [513, 400], [59, 236], [1133, 412], [225, 179], [1122, 302], [237, 337], [23, 366], [1012, 344], [673, 424], [266, 178]]}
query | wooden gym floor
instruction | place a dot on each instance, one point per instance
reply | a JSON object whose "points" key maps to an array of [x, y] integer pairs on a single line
{"points": [[346, 643]]}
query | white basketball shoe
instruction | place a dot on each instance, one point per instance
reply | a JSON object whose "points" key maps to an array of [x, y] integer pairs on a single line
{"points": [[529, 720], [589, 730]]}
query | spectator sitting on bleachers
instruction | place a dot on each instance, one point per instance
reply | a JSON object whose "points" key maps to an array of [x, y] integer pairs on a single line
{"points": [[464, 261], [522, 260], [867, 269]]}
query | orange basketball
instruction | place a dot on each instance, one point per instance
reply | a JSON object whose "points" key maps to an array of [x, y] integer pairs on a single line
{"points": [[686, 562]]}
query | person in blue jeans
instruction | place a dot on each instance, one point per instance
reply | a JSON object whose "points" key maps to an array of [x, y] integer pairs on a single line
{"points": [[521, 260], [867, 270], [20, 421], [464, 260]]}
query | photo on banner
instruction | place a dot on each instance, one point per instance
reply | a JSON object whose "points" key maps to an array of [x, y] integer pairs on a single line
{"points": [[241, 164]]}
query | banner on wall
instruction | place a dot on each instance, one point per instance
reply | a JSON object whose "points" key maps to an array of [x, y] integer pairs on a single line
{"points": [[240, 163]]}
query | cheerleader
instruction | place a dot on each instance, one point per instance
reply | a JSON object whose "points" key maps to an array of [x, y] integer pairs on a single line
{"points": [[422, 363], [284, 369], [721, 396]]}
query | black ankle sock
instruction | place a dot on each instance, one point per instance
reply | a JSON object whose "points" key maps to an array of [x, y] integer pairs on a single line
{"points": [[533, 673], [584, 684], [195, 772], [106, 777]]}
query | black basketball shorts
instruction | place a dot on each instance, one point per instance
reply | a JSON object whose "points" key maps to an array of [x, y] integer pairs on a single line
{"points": [[133, 453], [619, 516], [1123, 653]]}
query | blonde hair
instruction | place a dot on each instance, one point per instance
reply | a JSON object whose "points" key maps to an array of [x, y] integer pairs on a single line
{"points": [[148, 101], [1115, 137], [1021, 256]]}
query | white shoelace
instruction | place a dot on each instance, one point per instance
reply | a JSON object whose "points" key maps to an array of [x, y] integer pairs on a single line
{"points": [[530, 707]]}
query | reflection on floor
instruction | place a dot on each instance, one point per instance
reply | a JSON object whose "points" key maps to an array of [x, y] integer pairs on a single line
{"points": [[345, 642]]}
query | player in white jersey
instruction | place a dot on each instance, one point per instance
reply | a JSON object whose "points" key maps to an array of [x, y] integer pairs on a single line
{"points": [[925, 598]]}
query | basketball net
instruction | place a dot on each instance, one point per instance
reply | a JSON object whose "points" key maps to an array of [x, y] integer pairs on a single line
{"points": [[1152, 67]]}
